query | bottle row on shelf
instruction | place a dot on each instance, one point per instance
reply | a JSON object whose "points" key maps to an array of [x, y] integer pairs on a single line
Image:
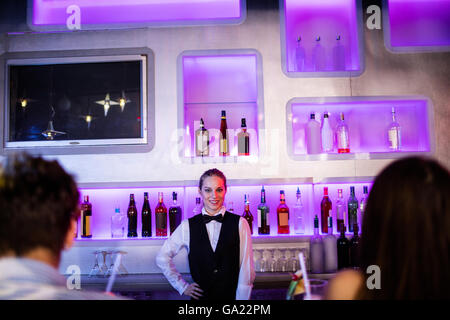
{"points": [[202, 139], [319, 56], [323, 139], [167, 220]]}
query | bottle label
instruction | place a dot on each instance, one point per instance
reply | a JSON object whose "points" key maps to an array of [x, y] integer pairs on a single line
{"points": [[394, 137], [342, 138], [284, 219], [86, 225], [260, 213], [224, 145], [161, 220], [202, 144]]}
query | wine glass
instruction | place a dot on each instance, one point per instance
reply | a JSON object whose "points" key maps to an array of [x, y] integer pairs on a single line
{"points": [[293, 263], [282, 262], [261, 262], [271, 262], [96, 268], [104, 267]]}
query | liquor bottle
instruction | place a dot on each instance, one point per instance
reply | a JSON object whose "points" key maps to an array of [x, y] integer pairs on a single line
{"points": [[224, 148], [283, 215], [394, 133], [161, 217], [363, 204], [202, 140], [174, 214], [354, 247], [299, 214], [132, 217], [146, 215], [316, 248], [313, 139], [327, 134], [198, 206], [263, 215], [340, 211], [325, 210], [299, 56], [330, 249], [243, 140], [339, 55], [117, 224], [342, 137], [343, 250], [247, 214], [352, 209], [318, 56], [86, 218], [230, 207]]}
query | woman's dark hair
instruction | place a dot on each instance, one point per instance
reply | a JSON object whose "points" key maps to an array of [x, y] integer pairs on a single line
{"points": [[210, 173], [406, 231], [38, 200]]}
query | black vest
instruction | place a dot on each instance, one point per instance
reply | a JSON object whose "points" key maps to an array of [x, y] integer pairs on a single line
{"points": [[216, 273]]}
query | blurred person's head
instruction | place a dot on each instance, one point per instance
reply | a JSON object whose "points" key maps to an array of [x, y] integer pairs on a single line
{"points": [[38, 208], [406, 231]]}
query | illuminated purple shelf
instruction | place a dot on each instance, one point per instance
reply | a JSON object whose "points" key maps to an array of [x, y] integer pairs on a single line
{"points": [[326, 19], [212, 81], [61, 15], [368, 119], [416, 25]]}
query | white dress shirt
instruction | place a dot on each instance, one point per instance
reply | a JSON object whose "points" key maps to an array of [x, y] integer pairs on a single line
{"points": [[180, 239]]}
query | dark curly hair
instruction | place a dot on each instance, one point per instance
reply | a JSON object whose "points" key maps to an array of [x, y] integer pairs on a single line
{"points": [[38, 200]]}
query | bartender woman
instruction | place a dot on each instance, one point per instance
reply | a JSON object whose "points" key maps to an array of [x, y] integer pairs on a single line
{"points": [[219, 248]]}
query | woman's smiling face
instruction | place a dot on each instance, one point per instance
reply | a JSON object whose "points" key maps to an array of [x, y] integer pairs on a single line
{"points": [[213, 194]]}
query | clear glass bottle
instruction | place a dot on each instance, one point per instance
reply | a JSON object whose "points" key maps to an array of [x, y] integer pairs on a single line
{"points": [[313, 138], [340, 211], [243, 140], [202, 140], [342, 136], [230, 207], [352, 207], [327, 134], [339, 55], [316, 249], [117, 224], [263, 215], [363, 204], [283, 215], [394, 133], [330, 249], [299, 214], [299, 56], [318, 56]]}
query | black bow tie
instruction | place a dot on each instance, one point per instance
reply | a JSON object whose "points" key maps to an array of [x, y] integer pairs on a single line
{"points": [[208, 218]]}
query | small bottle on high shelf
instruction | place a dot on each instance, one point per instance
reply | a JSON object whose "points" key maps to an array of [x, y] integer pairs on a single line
{"points": [[325, 210], [340, 211], [299, 214], [339, 55], [263, 215], [202, 140], [161, 217], [283, 215], [318, 56], [247, 214], [394, 133], [86, 218], [313, 138], [198, 206], [316, 248], [299, 56], [224, 147], [363, 204], [174, 214], [352, 207], [327, 134], [342, 136], [330, 249], [243, 140], [132, 218], [354, 248], [343, 250], [146, 215]]}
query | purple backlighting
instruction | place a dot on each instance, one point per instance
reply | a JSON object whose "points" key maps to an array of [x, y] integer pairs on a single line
{"points": [[419, 23], [112, 12], [326, 19], [212, 83], [368, 121]]}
